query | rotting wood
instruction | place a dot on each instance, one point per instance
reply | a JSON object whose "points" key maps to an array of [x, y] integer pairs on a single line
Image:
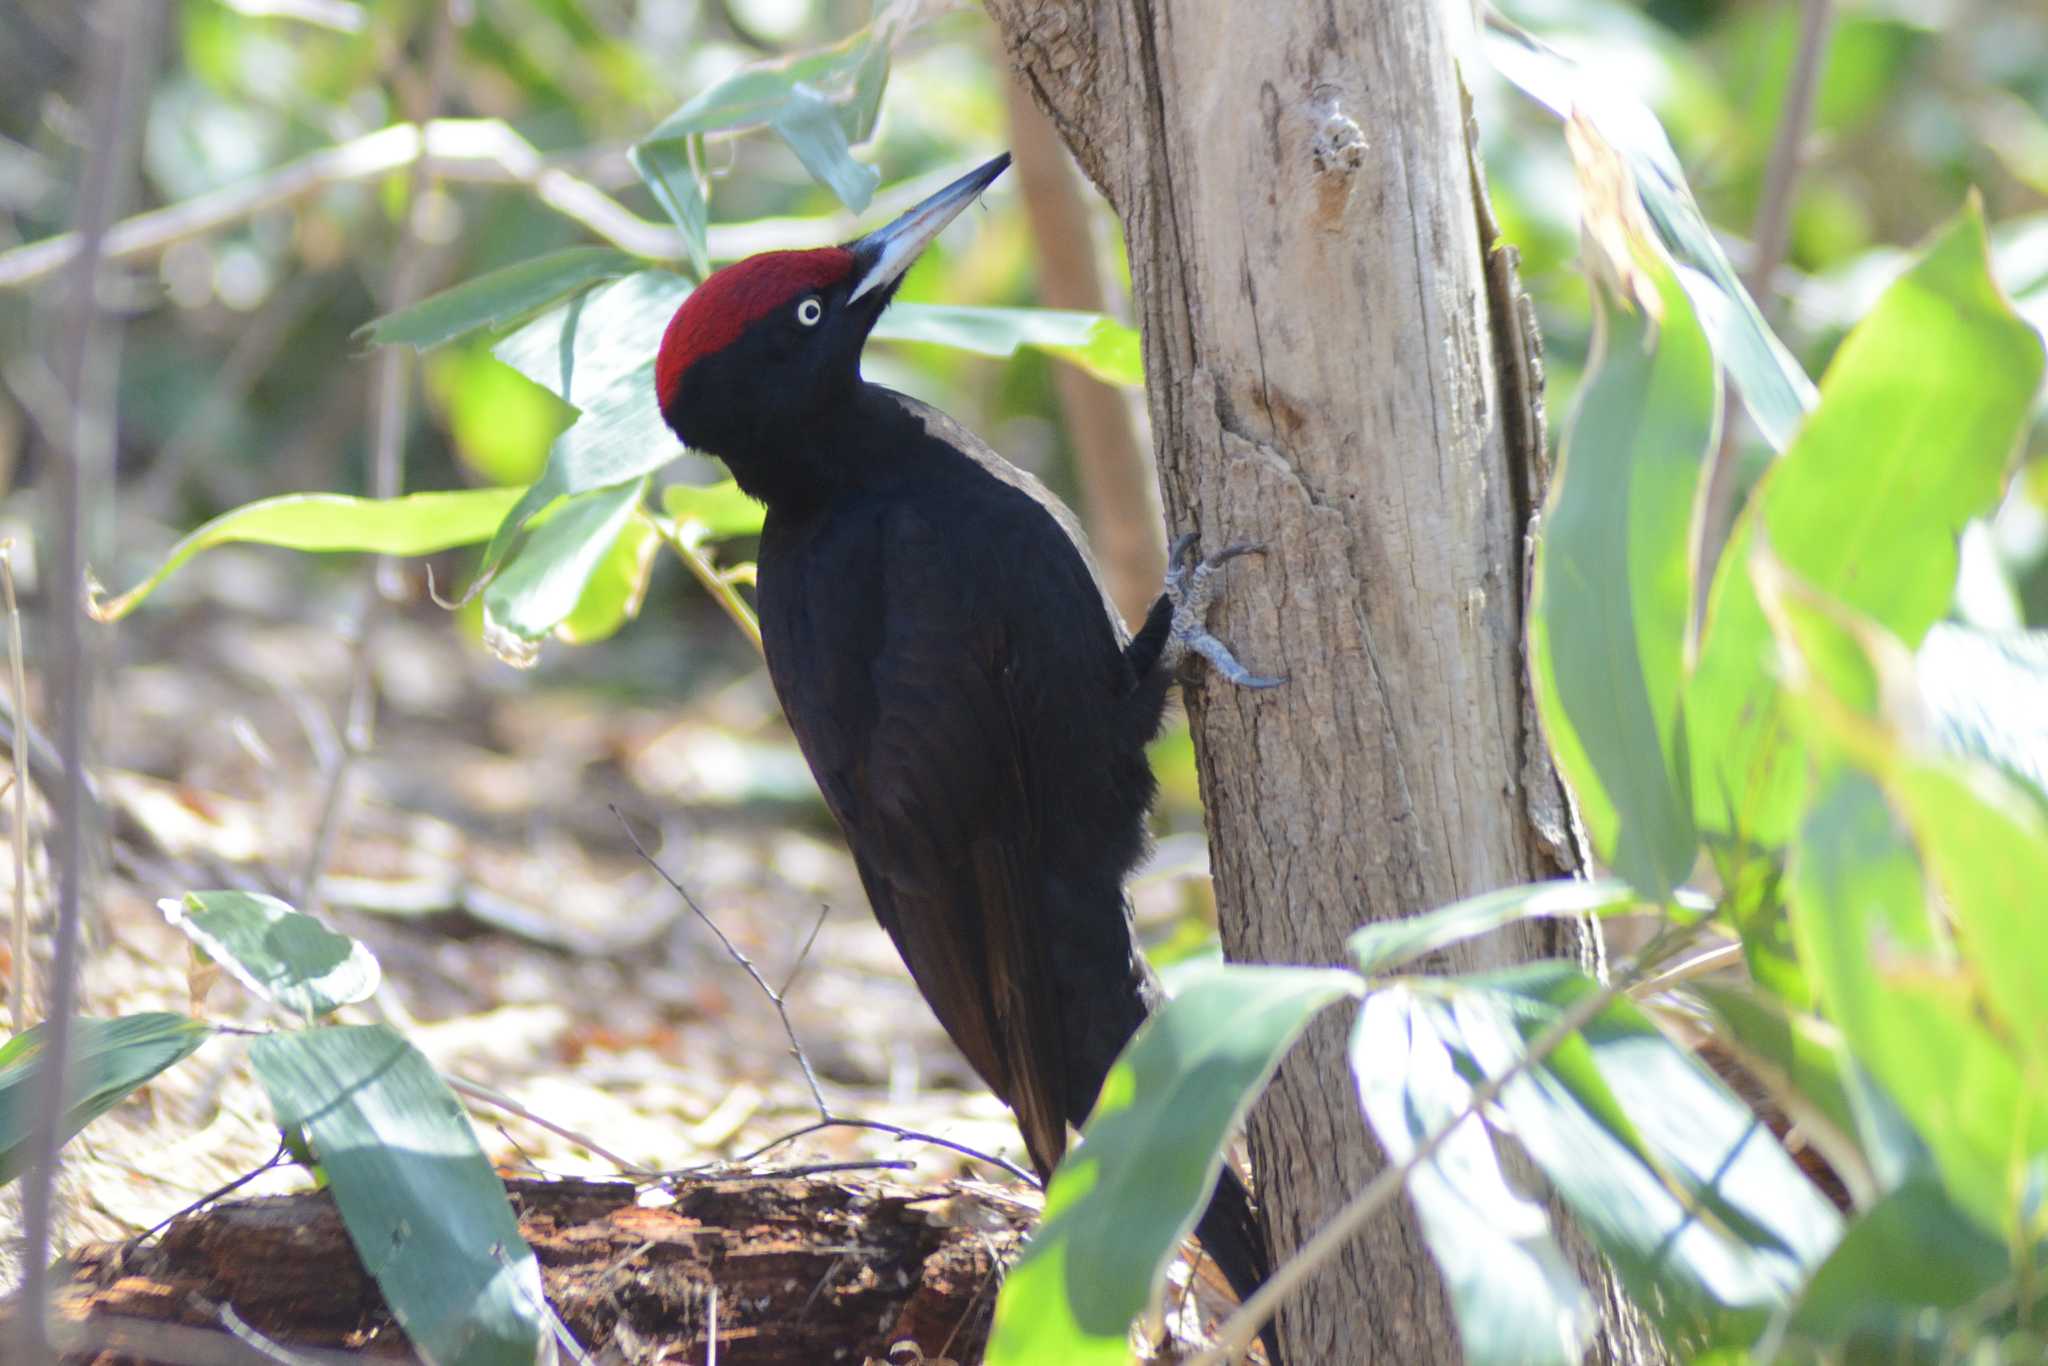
{"points": [[807, 1271]]}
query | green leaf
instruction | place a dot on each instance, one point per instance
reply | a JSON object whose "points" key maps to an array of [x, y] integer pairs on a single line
{"points": [[1920, 415], [751, 96], [284, 957], [719, 511], [597, 354], [1911, 1253], [544, 580], [1613, 593], [1121, 1202], [426, 1213], [669, 176], [1098, 344], [617, 585], [416, 524], [108, 1060], [1517, 1300], [819, 103], [813, 131], [1888, 978], [1387, 944], [497, 298], [501, 422], [1612, 123], [1710, 1225]]}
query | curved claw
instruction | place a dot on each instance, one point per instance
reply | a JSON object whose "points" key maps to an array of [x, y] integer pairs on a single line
{"points": [[1219, 656], [1191, 582]]}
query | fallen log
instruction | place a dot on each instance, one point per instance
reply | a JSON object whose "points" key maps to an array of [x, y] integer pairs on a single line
{"points": [[783, 1272]]}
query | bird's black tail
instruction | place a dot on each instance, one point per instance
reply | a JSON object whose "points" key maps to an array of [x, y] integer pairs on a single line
{"points": [[1230, 1234]]}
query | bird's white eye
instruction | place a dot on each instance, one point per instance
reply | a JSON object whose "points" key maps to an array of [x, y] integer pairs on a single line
{"points": [[809, 311]]}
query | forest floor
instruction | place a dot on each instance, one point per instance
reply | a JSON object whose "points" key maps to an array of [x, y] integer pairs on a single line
{"points": [[484, 855]]}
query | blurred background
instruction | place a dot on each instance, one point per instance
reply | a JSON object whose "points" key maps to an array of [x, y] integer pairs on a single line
{"points": [[459, 815]]}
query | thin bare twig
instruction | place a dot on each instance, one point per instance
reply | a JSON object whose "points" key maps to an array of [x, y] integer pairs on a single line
{"points": [[276, 1159], [1773, 213], [801, 1169], [388, 405], [498, 1100], [826, 1118], [121, 61], [1238, 1331], [19, 989]]}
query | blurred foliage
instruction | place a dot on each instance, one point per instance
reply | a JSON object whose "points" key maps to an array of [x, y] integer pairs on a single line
{"points": [[244, 381]]}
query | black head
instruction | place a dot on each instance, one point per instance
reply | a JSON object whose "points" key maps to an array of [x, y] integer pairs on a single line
{"points": [[767, 350]]}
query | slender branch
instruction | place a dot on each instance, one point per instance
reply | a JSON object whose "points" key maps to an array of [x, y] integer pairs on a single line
{"points": [[458, 152], [388, 405], [496, 1099], [19, 988], [826, 1118], [1781, 172], [121, 61], [1238, 1331], [1774, 212], [691, 552], [276, 1159]]}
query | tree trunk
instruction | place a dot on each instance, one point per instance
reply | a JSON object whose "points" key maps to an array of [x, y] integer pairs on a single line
{"points": [[1339, 366]]}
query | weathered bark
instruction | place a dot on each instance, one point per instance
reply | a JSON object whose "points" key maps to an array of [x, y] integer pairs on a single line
{"points": [[803, 1272], [1338, 368]]}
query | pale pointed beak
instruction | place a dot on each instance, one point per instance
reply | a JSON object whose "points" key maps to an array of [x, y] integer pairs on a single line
{"points": [[886, 253]]}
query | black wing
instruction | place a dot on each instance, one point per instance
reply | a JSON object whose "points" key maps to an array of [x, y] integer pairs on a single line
{"points": [[905, 657]]}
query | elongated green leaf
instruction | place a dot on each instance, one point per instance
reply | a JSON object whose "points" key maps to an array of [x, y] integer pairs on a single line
{"points": [[281, 955], [1388, 944], [1931, 991], [416, 524], [750, 97], [1919, 418], [1709, 1223], [1911, 1253], [426, 1213], [597, 354], [1517, 1300], [1614, 588], [617, 586], [108, 1059], [812, 128], [541, 584], [819, 103], [719, 510], [1098, 344], [1122, 1201], [1774, 389], [665, 168], [497, 298], [1889, 980]]}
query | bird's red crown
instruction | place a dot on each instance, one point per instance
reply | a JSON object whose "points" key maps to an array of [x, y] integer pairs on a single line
{"points": [[731, 299]]}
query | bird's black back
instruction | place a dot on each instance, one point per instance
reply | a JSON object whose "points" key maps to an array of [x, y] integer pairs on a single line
{"points": [[960, 686]]}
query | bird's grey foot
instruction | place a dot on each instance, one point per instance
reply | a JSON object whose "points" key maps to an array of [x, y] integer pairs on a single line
{"points": [[1191, 585]]}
